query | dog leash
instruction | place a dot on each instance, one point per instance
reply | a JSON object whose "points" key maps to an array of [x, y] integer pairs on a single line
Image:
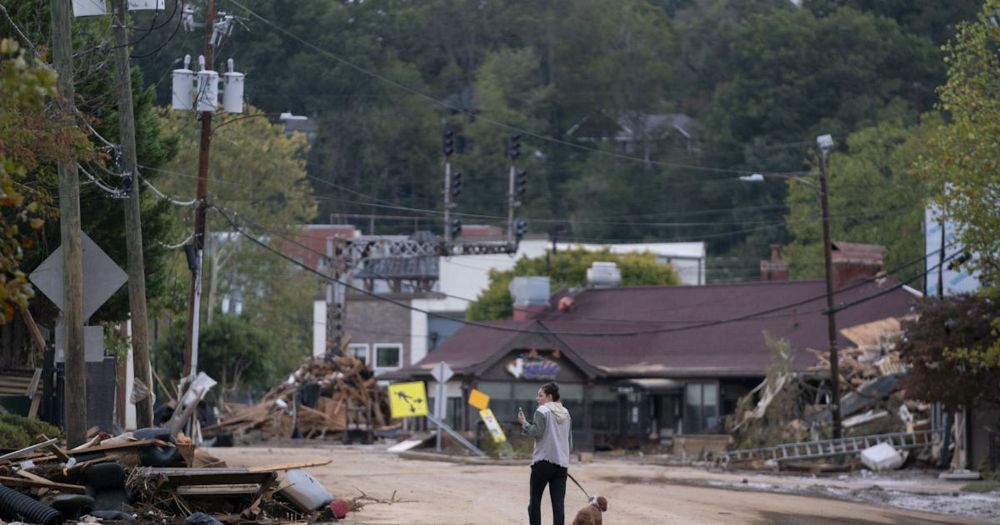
{"points": [[578, 485]]}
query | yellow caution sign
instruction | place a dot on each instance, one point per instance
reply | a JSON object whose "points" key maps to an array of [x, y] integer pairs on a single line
{"points": [[493, 425], [408, 399], [479, 399]]}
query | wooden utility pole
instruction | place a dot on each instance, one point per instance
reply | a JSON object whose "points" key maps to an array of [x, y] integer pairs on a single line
{"points": [[194, 298], [831, 321], [133, 221], [69, 228]]}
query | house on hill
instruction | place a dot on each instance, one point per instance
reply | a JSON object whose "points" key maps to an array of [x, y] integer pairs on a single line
{"points": [[641, 365]]}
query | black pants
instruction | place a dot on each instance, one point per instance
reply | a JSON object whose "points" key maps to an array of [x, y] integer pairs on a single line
{"points": [[545, 473]]}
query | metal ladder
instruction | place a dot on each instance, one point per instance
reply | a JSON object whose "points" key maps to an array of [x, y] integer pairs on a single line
{"points": [[835, 447]]}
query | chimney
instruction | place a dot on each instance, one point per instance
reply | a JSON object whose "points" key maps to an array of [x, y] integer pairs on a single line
{"points": [[852, 261], [603, 275], [531, 297], [774, 269]]}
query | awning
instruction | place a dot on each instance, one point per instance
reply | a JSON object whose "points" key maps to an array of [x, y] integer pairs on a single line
{"points": [[652, 385]]}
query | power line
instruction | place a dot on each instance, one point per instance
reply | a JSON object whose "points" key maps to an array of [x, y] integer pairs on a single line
{"points": [[494, 327]]}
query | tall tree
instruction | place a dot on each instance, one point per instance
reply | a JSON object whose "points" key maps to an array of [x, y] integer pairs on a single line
{"points": [[33, 138], [267, 189], [964, 155], [876, 197]]}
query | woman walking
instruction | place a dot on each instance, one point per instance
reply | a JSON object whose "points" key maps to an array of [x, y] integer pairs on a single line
{"points": [[551, 427]]}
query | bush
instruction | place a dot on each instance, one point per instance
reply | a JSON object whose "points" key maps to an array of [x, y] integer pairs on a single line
{"points": [[19, 432]]}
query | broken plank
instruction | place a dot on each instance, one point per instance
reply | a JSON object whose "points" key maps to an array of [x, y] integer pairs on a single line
{"points": [[24, 482], [26, 450], [118, 446], [290, 466], [236, 489]]}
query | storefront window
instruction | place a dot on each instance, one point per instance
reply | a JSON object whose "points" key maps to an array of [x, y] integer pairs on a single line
{"points": [[701, 408]]}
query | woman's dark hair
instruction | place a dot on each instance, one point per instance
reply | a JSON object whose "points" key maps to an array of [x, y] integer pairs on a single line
{"points": [[551, 389]]}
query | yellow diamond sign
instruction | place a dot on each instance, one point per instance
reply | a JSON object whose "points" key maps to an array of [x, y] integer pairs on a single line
{"points": [[408, 399], [479, 399]]}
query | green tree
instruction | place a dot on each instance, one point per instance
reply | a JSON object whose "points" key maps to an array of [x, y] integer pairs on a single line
{"points": [[567, 269], [963, 159], [793, 76], [102, 215], [256, 173], [32, 139], [930, 19], [232, 350], [953, 349], [257, 178], [875, 197]]}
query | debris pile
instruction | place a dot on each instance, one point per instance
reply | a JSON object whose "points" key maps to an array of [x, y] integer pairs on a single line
{"points": [[152, 476], [790, 407], [321, 399], [870, 375]]}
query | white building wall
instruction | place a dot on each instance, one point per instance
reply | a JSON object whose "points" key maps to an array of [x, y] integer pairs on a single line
{"points": [[319, 328]]}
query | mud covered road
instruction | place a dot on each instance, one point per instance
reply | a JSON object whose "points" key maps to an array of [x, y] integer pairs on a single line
{"points": [[439, 493]]}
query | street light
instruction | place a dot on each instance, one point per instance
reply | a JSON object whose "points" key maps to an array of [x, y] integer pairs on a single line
{"points": [[824, 144]]}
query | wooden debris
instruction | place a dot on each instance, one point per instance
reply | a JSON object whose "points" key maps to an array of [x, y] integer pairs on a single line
{"points": [[349, 398]]}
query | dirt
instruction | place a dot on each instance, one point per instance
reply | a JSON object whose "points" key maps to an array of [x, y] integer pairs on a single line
{"points": [[402, 491]]}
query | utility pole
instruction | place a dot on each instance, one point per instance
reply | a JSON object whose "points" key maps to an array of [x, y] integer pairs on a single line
{"points": [[513, 151], [448, 148], [336, 296], [825, 144], [194, 297], [133, 221], [75, 406]]}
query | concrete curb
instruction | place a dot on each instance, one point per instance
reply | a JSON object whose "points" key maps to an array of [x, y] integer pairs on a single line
{"points": [[464, 460]]}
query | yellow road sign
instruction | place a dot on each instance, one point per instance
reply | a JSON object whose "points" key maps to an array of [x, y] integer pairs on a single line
{"points": [[479, 399], [408, 399], [493, 425]]}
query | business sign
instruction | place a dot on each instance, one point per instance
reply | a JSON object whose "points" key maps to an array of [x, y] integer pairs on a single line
{"points": [[493, 425], [408, 399], [533, 368]]}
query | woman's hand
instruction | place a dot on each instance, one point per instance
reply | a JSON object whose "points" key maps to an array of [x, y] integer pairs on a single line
{"points": [[520, 417]]}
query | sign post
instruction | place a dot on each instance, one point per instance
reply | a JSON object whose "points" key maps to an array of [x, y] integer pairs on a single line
{"points": [[441, 373]]}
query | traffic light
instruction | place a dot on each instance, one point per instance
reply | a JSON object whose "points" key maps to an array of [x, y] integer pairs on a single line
{"points": [[520, 184], [455, 228], [520, 228], [514, 146], [456, 184], [448, 143]]}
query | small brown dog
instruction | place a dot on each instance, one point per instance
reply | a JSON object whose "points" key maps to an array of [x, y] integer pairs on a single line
{"points": [[591, 514]]}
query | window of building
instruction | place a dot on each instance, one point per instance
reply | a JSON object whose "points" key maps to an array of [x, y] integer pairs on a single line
{"points": [[701, 408], [388, 356], [360, 351]]}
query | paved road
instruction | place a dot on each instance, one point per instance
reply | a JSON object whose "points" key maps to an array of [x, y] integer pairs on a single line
{"points": [[439, 493]]}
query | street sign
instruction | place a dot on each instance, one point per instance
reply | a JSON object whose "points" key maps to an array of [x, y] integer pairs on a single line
{"points": [[101, 277], [479, 399], [493, 425], [442, 372], [408, 399]]}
